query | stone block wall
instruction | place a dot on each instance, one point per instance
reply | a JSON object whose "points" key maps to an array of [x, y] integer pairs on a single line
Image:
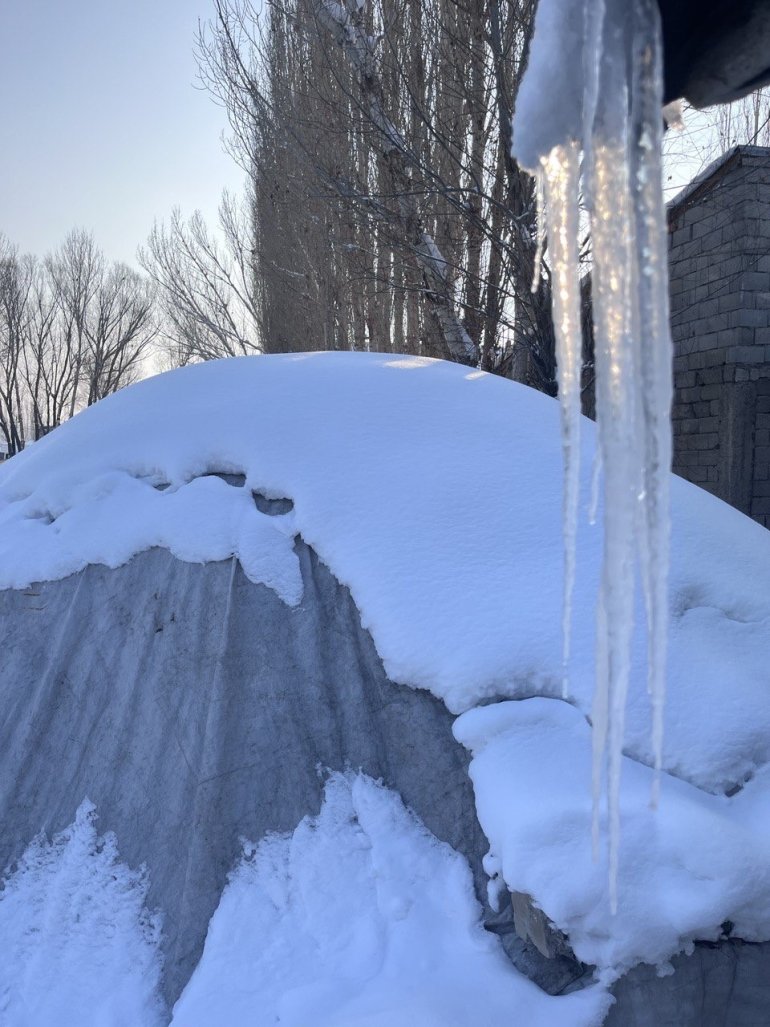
{"points": [[719, 253]]}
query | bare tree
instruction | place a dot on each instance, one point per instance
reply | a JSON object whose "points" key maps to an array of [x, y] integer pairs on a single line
{"points": [[704, 135], [119, 329], [205, 287], [745, 122], [72, 330], [52, 354], [76, 271], [347, 26], [15, 279], [388, 213]]}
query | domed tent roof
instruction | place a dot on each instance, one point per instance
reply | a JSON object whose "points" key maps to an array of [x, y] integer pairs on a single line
{"points": [[330, 496]]}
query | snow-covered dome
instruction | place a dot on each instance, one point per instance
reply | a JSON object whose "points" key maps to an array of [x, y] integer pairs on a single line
{"points": [[433, 493]]}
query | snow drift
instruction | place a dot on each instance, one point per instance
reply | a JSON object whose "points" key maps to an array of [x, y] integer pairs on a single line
{"points": [[359, 916]]}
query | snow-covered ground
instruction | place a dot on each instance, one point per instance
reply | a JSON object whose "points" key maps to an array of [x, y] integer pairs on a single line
{"points": [[434, 493], [361, 917], [78, 947]]}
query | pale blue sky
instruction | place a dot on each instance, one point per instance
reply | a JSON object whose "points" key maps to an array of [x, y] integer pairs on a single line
{"points": [[101, 125]]}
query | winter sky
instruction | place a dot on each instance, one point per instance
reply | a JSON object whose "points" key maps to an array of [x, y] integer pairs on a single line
{"points": [[102, 124]]}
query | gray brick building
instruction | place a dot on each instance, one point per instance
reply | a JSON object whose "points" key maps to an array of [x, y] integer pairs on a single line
{"points": [[719, 251]]}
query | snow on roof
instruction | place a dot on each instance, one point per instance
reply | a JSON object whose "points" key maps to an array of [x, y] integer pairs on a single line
{"points": [[434, 493], [710, 174]]}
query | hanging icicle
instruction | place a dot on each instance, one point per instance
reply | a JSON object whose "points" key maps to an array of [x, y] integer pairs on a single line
{"points": [[606, 102], [560, 177], [540, 229], [656, 359]]}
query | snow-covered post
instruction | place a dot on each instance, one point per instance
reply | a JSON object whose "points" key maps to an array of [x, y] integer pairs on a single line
{"points": [[345, 22]]}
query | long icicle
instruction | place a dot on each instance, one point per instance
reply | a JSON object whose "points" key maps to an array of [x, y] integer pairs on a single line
{"points": [[656, 364], [615, 338], [615, 331], [561, 181], [610, 107], [633, 356], [540, 217]]}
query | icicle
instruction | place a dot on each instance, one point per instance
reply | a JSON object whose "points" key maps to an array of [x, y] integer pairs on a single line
{"points": [[633, 354], [540, 229], [593, 28], [612, 106], [615, 331], [599, 719], [561, 178], [596, 480], [656, 365]]}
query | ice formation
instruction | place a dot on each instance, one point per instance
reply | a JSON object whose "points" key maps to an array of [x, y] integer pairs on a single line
{"points": [[560, 177], [607, 102]]}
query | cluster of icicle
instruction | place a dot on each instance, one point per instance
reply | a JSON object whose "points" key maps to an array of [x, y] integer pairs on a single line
{"points": [[589, 111]]}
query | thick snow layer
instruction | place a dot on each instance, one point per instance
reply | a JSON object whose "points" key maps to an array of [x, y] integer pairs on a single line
{"points": [[434, 493], [110, 517], [698, 861], [361, 918], [549, 104], [78, 947]]}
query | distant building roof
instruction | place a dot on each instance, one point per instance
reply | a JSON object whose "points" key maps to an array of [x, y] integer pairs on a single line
{"points": [[714, 172]]}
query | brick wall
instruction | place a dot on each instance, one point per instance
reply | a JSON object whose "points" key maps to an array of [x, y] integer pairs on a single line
{"points": [[719, 251]]}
